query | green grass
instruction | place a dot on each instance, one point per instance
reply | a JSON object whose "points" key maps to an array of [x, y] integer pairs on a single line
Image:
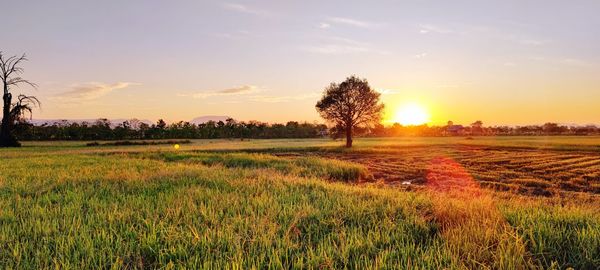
{"points": [[303, 166], [568, 236], [73, 207], [93, 211]]}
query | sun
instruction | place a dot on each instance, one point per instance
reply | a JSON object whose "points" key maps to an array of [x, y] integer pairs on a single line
{"points": [[411, 115]]}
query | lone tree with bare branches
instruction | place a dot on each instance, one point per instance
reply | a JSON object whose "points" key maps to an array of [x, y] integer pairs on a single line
{"points": [[349, 105], [10, 71]]}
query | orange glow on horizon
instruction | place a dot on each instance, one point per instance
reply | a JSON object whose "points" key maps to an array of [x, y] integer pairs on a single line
{"points": [[411, 114]]}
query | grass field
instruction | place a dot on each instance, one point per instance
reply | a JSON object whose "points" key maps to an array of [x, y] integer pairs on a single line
{"points": [[410, 203]]}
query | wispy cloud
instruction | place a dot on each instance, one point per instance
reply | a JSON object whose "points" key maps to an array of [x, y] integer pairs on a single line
{"points": [[430, 28], [575, 62], [336, 49], [517, 39], [92, 90], [337, 45], [420, 55], [324, 25], [480, 31], [235, 35], [242, 90], [248, 93], [537, 58], [281, 99], [354, 22], [532, 42], [565, 61], [244, 9], [238, 90]]}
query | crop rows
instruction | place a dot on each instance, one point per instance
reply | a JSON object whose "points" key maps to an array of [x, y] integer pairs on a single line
{"points": [[525, 171]]}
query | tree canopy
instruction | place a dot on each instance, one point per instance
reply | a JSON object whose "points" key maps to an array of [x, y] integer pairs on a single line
{"points": [[350, 104]]}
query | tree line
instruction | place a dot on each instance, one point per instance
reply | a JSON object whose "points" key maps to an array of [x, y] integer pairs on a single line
{"points": [[477, 129], [103, 129]]}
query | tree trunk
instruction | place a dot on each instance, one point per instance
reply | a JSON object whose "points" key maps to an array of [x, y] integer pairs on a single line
{"points": [[6, 137], [348, 136]]}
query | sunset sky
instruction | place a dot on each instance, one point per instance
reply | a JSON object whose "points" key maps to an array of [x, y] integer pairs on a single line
{"points": [[502, 62]]}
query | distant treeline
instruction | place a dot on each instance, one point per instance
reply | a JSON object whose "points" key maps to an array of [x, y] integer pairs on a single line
{"points": [[103, 129], [478, 129]]}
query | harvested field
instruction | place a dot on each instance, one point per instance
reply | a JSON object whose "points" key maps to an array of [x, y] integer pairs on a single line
{"points": [[525, 171]]}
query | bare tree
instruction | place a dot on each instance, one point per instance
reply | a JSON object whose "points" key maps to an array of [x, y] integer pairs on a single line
{"points": [[23, 106], [349, 105], [10, 71]]}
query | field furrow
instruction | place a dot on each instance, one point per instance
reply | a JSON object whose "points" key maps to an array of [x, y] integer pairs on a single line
{"points": [[537, 172]]}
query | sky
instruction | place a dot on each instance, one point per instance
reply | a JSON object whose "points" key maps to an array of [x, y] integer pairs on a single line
{"points": [[509, 62]]}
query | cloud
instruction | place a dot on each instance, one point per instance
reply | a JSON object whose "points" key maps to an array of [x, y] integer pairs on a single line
{"points": [[236, 35], [481, 31], [338, 45], [537, 58], [430, 28], [420, 55], [336, 49], [242, 90], [575, 62], [353, 22], [237, 90], [281, 99], [245, 90], [92, 90], [244, 9], [324, 25], [227, 36], [518, 39], [532, 42], [567, 61]]}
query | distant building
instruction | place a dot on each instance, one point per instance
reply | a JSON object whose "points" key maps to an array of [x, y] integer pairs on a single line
{"points": [[454, 130]]}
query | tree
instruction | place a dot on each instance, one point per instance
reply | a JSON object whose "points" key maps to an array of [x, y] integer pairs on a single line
{"points": [[10, 70], [477, 127], [349, 105], [22, 107], [551, 128]]}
